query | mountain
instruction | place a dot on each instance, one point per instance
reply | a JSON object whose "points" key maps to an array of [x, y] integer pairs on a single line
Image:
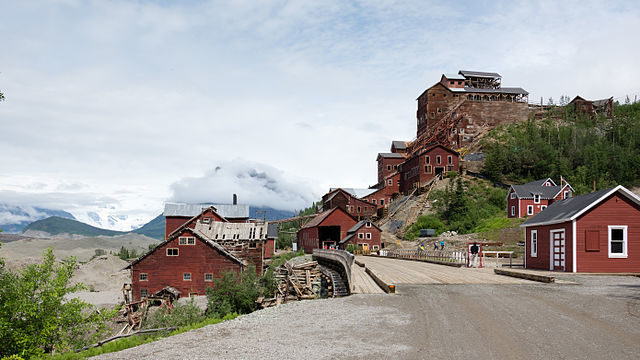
{"points": [[14, 218], [111, 218], [56, 225], [271, 213], [153, 229]]}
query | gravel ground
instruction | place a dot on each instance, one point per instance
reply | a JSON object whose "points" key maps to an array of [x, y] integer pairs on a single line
{"points": [[597, 319]]}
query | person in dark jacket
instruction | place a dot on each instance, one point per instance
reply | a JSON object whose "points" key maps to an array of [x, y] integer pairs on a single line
{"points": [[473, 255]]}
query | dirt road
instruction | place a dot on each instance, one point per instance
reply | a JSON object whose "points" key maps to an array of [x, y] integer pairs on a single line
{"points": [[598, 319]]}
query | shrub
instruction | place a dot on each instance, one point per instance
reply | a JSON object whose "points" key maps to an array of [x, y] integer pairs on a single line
{"points": [[425, 222], [181, 315], [233, 292]]}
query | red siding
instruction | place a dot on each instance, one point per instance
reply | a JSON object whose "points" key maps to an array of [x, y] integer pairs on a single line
{"points": [[616, 210], [269, 248], [536, 207], [171, 223], [375, 238], [414, 172], [308, 237], [511, 203], [163, 270], [544, 246], [386, 167]]}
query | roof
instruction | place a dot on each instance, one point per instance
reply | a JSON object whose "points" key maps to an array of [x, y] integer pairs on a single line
{"points": [[198, 235], [540, 182], [454, 76], [502, 90], [190, 210], [347, 238], [400, 145], [545, 192], [322, 216], [272, 231], [601, 102], [469, 73], [360, 224], [391, 155], [359, 193], [571, 208]]}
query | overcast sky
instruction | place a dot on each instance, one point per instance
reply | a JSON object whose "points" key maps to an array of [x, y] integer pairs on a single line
{"points": [[123, 105]]}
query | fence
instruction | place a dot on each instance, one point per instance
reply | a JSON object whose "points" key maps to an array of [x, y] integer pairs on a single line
{"points": [[449, 256]]}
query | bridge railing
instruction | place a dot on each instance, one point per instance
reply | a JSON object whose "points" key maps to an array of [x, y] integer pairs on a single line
{"points": [[448, 256], [341, 257]]}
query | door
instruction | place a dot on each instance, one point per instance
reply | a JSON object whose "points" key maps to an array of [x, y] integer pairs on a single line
{"points": [[365, 246], [557, 261]]}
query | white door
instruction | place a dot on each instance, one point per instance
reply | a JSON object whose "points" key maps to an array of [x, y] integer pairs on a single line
{"points": [[557, 250]]}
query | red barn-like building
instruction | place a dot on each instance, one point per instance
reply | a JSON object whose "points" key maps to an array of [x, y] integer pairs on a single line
{"points": [[325, 230], [349, 200], [365, 235], [425, 164], [531, 198], [597, 232], [176, 214]]}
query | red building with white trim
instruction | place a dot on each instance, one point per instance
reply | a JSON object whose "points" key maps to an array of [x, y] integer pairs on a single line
{"points": [[325, 230], [424, 165], [531, 198], [596, 232], [365, 235]]}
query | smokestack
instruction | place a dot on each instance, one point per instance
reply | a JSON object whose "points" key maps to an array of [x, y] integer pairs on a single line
{"points": [[235, 199]]}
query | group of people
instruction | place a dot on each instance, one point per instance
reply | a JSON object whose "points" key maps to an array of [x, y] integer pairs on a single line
{"points": [[435, 246]]}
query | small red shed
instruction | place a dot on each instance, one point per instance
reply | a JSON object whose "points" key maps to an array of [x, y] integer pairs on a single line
{"points": [[596, 232], [326, 229]]}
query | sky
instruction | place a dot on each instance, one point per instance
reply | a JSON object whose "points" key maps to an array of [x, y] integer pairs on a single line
{"points": [[115, 107]]}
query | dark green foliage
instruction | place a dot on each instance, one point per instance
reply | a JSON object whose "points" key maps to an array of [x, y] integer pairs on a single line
{"points": [[181, 315], [581, 149], [36, 318], [287, 231], [125, 253], [55, 225], [233, 292], [425, 222], [351, 248]]}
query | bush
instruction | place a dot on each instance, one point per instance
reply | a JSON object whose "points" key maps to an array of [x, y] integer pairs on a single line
{"points": [[181, 315], [36, 318], [351, 248], [233, 292], [425, 222]]}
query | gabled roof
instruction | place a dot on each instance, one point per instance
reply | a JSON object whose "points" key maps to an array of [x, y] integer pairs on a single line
{"points": [[193, 218], [452, 76], [572, 208], [272, 230], [323, 216], [400, 145], [502, 90], [197, 234], [601, 102], [390, 156], [469, 73], [527, 191], [541, 182], [189, 210], [355, 192], [360, 224]]}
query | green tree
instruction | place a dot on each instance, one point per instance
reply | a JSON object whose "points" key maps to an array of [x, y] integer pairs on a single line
{"points": [[35, 316], [233, 292]]}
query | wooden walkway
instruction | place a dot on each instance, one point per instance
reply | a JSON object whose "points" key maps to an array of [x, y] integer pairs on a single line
{"points": [[397, 271], [362, 282]]}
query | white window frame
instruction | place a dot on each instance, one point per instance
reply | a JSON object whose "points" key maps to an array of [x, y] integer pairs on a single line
{"points": [[381, 202], [186, 276], [176, 249], [186, 240], [375, 247], [368, 236], [388, 167], [529, 209], [542, 207], [513, 211], [206, 220], [210, 275], [438, 160], [534, 243], [536, 198], [390, 182], [513, 195], [360, 236], [625, 242], [449, 159], [427, 159], [144, 277], [367, 224], [144, 293], [566, 192], [373, 201]]}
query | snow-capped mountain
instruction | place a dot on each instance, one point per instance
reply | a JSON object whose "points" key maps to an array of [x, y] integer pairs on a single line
{"points": [[110, 218], [14, 218]]}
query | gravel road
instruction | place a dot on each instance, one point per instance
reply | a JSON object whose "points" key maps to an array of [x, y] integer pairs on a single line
{"points": [[598, 319]]}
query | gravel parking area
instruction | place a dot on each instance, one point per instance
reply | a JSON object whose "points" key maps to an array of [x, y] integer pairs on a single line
{"points": [[597, 319]]}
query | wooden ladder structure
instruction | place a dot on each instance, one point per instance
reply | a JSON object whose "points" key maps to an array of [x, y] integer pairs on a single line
{"points": [[441, 132]]}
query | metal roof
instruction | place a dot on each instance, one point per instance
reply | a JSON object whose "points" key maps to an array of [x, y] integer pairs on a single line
{"points": [[572, 208], [272, 231], [545, 192], [541, 181], [454, 76], [359, 193], [468, 73], [391, 155], [191, 210], [360, 224], [502, 90], [400, 145]]}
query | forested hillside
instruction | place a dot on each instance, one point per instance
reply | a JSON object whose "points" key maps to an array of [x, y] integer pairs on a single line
{"points": [[581, 149]]}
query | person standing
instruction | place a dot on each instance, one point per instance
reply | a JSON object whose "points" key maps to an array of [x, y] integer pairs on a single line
{"points": [[441, 244], [435, 245], [473, 258]]}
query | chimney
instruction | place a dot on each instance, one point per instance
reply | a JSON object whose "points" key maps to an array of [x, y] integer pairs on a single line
{"points": [[235, 199]]}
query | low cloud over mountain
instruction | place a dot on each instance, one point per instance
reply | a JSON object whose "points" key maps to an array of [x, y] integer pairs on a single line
{"points": [[254, 183]]}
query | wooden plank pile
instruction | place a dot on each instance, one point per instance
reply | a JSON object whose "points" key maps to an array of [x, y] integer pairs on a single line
{"points": [[295, 282]]}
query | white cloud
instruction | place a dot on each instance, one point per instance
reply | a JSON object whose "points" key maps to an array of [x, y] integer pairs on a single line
{"points": [[254, 183]]}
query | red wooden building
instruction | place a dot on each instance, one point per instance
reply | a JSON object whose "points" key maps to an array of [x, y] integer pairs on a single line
{"points": [[176, 214], [365, 235], [425, 164], [596, 232], [350, 201], [592, 107], [531, 198], [387, 190], [388, 164], [187, 261], [325, 230]]}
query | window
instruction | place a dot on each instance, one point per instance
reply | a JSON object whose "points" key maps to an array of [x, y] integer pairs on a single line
{"points": [[208, 277], [187, 240], [513, 195], [449, 167], [440, 110], [360, 236], [433, 114], [427, 169], [543, 207], [390, 182], [529, 209], [534, 243], [376, 247], [566, 195], [395, 167], [427, 159], [172, 252], [368, 224], [592, 240], [388, 167], [381, 201], [368, 235], [186, 276], [536, 199], [143, 293], [451, 82], [252, 245], [513, 211], [144, 277], [359, 209], [449, 159], [617, 241], [438, 160], [206, 220], [373, 201], [459, 82]]}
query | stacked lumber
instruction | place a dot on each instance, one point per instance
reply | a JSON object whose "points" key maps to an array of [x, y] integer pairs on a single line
{"points": [[295, 282]]}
